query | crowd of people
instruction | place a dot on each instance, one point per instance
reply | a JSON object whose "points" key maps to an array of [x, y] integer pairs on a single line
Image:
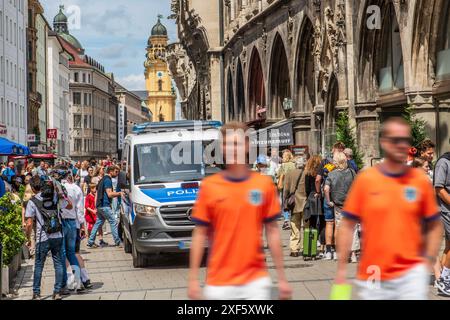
{"points": [[62, 205], [385, 217], [390, 217], [319, 188]]}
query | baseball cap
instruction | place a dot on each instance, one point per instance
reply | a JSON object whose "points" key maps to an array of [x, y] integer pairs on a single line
{"points": [[262, 159]]}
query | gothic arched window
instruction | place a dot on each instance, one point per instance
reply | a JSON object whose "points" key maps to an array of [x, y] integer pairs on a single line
{"points": [[160, 85]]}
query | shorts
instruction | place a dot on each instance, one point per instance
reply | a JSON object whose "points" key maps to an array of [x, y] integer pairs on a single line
{"points": [[413, 285], [328, 212], [259, 289], [445, 217], [78, 242]]}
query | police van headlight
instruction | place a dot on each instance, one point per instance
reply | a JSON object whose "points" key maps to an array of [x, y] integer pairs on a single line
{"points": [[145, 211]]}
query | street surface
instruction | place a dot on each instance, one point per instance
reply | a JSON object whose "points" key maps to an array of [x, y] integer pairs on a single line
{"points": [[114, 277]]}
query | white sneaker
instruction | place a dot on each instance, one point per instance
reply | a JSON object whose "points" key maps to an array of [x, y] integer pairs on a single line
{"points": [[328, 256], [335, 257]]}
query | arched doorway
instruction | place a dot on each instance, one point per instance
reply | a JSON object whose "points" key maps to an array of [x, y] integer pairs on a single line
{"points": [[280, 87], [240, 93], [230, 97], [305, 70], [257, 90]]}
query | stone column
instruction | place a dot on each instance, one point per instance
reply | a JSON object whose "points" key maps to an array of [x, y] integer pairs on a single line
{"points": [[367, 131], [215, 92]]}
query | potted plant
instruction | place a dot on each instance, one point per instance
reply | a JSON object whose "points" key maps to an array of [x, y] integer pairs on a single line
{"points": [[12, 238]]}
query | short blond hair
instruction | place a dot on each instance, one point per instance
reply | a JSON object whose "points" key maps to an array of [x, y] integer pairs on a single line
{"points": [[287, 156], [340, 161]]}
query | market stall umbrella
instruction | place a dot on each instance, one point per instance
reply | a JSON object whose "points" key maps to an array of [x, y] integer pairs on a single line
{"points": [[9, 148]]}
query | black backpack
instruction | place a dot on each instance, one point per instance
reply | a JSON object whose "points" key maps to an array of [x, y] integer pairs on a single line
{"points": [[50, 215], [101, 192]]}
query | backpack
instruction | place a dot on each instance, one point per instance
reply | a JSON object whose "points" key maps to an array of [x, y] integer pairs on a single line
{"points": [[50, 215], [101, 191]]}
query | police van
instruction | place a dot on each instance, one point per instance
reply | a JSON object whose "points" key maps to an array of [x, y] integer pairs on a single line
{"points": [[165, 164]]}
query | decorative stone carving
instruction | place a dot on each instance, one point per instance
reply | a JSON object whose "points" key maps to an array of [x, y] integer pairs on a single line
{"points": [[264, 39], [290, 25]]}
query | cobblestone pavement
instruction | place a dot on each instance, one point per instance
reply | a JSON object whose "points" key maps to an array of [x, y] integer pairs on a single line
{"points": [[114, 277]]}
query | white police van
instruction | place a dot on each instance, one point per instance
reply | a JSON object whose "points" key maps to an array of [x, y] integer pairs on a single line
{"points": [[165, 163]]}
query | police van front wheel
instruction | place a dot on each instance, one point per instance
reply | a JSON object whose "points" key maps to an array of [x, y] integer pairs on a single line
{"points": [[139, 259]]}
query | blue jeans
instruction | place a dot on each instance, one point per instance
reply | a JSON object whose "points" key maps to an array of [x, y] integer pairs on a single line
{"points": [[68, 248], [105, 214], [42, 249]]}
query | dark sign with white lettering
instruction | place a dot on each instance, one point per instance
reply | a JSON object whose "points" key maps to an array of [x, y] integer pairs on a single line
{"points": [[275, 136]]}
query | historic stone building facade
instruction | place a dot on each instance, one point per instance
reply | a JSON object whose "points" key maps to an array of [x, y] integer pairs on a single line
{"points": [[93, 103], [309, 60]]}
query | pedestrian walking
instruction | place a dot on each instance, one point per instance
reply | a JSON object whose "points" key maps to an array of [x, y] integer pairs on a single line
{"points": [[105, 194], [392, 202], [232, 209], [313, 215], [336, 188], [287, 165], [326, 167], [442, 187], [72, 219], [42, 210], [294, 189]]}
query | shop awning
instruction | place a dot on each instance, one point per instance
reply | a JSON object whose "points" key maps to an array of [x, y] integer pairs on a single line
{"points": [[281, 134], [9, 148]]}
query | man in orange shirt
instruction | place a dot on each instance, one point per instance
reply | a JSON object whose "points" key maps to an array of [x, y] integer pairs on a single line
{"points": [[232, 209], [393, 203]]}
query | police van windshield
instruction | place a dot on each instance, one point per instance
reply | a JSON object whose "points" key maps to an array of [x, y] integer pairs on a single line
{"points": [[172, 161]]}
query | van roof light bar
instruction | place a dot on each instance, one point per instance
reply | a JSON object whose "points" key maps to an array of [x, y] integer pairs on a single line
{"points": [[175, 125]]}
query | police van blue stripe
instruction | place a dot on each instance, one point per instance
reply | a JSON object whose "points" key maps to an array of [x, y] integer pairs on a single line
{"points": [[171, 194]]}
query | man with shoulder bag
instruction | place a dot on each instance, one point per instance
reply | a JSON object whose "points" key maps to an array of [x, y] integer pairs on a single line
{"points": [[45, 208]]}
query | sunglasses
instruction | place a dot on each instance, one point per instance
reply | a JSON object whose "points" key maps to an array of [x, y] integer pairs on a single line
{"points": [[400, 140]]}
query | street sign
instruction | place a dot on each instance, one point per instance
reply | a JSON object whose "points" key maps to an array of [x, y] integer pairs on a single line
{"points": [[121, 127], [31, 138], [52, 134]]}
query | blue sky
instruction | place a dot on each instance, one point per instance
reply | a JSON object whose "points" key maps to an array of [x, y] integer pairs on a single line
{"points": [[115, 32]]}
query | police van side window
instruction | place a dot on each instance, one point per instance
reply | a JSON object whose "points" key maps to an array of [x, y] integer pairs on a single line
{"points": [[126, 161]]}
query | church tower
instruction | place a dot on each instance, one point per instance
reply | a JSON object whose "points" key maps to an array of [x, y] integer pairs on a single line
{"points": [[162, 98]]}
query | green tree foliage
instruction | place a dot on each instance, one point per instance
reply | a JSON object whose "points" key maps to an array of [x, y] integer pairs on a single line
{"points": [[417, 127], [11, 234], [346, 134]]}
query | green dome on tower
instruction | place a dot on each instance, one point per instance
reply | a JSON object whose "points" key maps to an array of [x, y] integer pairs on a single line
{"points": [[60, 17], [159, 29], [60, 25]]}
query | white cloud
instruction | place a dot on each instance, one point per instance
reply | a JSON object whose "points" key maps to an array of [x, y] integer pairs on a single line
{"points": [[132, 81]]}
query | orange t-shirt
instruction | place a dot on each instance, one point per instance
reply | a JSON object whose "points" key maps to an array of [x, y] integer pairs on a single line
{"points": [[391, 210], [235, 212]]}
